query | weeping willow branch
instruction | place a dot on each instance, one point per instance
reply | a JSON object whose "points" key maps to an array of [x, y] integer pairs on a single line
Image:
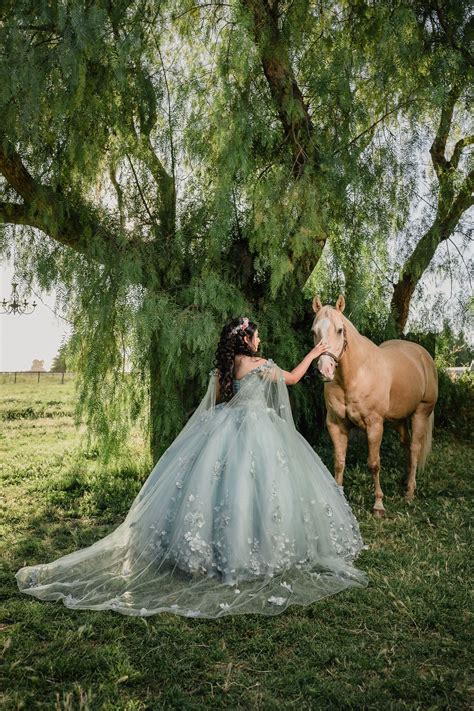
{"points": [[458, 149], [165, 183], [438, 148], [286, 94], [70, 221], [413, 269], [14, 213]]}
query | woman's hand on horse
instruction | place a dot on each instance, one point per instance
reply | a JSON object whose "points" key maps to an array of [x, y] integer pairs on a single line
{"points": [[319, 349]]}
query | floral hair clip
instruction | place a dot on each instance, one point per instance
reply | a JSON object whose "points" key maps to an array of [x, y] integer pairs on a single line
{"points": [[242, 326]]}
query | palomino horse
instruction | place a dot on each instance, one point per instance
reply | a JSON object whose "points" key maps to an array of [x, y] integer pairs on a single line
{"points": [[366, 384]]}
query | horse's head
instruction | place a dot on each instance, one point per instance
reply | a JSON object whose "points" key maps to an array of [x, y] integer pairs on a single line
{"points": [[328, 326]]}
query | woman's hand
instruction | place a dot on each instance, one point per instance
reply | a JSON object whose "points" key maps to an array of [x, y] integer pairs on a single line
{"points": [[293, 377], [319, 349]]}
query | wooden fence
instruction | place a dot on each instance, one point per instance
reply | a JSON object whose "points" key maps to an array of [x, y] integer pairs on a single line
{"points": [[11, 376]]}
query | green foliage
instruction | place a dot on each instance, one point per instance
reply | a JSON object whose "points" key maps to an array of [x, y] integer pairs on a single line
{"points": [[456, 404], [453, 349], [357, 275], [402, 642], [165, 179], [59, 364]]}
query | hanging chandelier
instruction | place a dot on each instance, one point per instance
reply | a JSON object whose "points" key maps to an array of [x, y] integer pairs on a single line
{"points": [[14, 305]]}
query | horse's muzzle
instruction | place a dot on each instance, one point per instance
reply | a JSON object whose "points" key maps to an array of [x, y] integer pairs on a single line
{"points": [[326, 366], [325, 378]]}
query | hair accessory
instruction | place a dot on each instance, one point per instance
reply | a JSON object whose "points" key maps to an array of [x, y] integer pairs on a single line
{"points": [[242, 326]]}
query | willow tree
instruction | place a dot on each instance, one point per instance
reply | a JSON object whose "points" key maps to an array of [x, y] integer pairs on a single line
{"points": [[384, 245], [168, 164], [446, 33]]}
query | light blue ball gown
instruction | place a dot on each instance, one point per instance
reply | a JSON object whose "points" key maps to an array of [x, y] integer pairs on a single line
{"points": [[239, 515]]}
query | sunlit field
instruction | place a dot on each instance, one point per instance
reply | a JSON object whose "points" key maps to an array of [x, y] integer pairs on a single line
{"points": [[402, 643]]}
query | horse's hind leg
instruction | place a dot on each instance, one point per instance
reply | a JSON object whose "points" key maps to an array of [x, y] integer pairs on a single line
{"points": [[402, 429], [419, 423], [374, 439]]}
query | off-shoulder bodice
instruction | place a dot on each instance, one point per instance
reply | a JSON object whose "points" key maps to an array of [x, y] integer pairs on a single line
{"points": [[237, 383]]}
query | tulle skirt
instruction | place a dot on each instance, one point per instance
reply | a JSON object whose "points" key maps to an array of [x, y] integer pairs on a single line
{"points": [[239, 515]]}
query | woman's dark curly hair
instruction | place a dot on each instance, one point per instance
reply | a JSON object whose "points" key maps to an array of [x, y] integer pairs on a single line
{"points": [[230, 345]]}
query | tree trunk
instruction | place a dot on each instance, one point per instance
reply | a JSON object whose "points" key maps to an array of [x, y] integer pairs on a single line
{"points": [[452, 204], [401, 298], [419, 260], [287, 96]]}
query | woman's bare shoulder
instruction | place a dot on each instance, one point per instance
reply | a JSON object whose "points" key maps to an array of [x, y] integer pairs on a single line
{"points": [[243, 364]]}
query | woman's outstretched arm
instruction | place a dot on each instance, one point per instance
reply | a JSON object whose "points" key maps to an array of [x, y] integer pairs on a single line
{"points": [[294, 376]]}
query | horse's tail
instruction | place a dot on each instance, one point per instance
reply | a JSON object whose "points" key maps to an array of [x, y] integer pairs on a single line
{"points": [[426, 443]]}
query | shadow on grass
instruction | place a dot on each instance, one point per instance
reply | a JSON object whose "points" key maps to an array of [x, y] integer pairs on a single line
{"points": [[80, 510], [447, 471], [402, 642]]}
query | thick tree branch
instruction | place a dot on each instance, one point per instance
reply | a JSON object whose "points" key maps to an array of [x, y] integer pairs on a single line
{"points": [[70, 221], [291, 107], [15, 172], [15, 214], [165, 184], [458, 149], [449, 34], [463, 201], [451, 207], [294, 117], [170, 124], [442, 228], [438, 147], [164, 181]]}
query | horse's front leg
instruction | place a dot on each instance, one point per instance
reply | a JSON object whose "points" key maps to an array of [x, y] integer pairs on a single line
{"points": [[339, 433], [374, 439]]}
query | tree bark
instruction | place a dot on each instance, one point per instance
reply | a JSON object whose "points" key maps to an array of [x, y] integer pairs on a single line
{"points": [[68, 220], [293, 114], [451, 207], [286, 94]]}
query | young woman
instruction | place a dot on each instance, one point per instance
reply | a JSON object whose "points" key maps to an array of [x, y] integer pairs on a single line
{"points": [[238, 516]]}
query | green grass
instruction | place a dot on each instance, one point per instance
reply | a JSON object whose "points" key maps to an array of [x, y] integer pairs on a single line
{"points": [[401, 643]]}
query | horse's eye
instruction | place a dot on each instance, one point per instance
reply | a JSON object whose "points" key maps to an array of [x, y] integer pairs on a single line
{"points": [[340, 330]]}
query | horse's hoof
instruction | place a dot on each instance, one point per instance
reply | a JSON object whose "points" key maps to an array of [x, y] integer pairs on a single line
{"points": [[378, 513], [409, 497]]}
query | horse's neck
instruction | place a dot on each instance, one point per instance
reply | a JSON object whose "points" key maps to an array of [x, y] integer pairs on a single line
{"points": [[356, 353]]}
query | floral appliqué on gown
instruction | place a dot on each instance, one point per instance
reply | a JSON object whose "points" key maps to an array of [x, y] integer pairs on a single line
{"points": [[239, 515]]}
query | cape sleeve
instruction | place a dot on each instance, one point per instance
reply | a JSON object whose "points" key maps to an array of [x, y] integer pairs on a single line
{"points": [[276, 391], [209, 401]]}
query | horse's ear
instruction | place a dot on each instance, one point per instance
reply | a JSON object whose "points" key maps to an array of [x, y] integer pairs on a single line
{"points": [[340, 303], [317, 305]]}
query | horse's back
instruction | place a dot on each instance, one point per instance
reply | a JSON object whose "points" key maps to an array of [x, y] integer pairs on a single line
{"points": [[413, 373], [407, 352]]}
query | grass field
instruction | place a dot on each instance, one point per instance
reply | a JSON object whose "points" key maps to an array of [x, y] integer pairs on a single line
{"points": [[401, 643]]}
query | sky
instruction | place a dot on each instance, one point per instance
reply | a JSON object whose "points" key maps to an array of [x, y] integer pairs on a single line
{"points": [[23, 338]]}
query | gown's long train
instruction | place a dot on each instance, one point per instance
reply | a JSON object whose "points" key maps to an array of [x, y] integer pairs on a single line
{"points": [[238, 516]]}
